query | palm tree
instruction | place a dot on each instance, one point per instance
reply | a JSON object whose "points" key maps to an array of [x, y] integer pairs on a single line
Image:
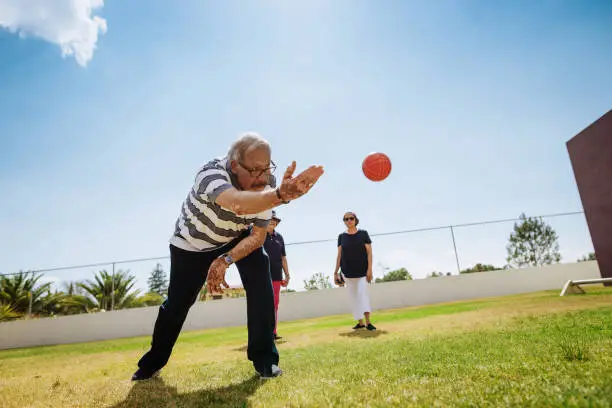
{"points": [[109, 293], [7, 312], [74, 300], [22, 293], [72, 288]]}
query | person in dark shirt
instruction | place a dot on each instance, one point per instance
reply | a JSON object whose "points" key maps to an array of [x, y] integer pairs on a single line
{"points": [[354, 260], [275, 248]]}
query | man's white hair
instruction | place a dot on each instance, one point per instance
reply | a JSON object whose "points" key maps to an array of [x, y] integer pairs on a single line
{"points": [[245, 142]]}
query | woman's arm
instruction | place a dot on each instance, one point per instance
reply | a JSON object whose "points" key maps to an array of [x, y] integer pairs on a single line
{"points": [[369, 251], [338, 257]]}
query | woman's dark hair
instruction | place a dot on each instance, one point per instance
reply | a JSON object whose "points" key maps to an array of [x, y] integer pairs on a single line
{"points": [[354, 215]]}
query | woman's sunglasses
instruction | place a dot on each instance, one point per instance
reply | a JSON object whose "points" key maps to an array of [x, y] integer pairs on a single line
{"points": [[349, 218]]}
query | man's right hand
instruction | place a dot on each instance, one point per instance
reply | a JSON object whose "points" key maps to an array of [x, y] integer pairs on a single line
{"points": [[295, 187], [215, 280]]}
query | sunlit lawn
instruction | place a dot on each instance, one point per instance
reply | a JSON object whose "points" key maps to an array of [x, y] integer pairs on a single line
{"points": [[528, 350]]}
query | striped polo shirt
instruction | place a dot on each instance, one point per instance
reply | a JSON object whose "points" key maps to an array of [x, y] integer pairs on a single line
{"points": [[203, 225]]}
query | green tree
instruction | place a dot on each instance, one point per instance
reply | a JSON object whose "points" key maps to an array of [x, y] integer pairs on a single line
{"points": [[480, 268], [72, 288], [203, 294], [74, 300], [395, 275], [317, 281], [532, 243], [101, 292], [435, 274], [158, 282], [589, 257], [148, 299], [75, 304]]}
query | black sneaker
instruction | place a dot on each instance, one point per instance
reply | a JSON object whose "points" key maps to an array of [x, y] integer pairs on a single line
{"points": [[142, 374], [276, 336], [358, 326], [270, 372], [371, 326]]}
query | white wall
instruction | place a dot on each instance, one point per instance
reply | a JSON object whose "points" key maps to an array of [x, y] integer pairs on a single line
{"points": [[297, 305]]}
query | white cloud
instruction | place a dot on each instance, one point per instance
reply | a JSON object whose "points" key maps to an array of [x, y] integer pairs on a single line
{"points": [[66, 23]]}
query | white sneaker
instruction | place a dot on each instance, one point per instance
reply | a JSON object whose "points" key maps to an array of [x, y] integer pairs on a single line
{"points": [[274, 371]]}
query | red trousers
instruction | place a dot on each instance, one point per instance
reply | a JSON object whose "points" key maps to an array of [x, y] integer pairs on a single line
{"points": [[277, 287]]}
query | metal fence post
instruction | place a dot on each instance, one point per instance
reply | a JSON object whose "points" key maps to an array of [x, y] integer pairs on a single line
{"points": [[455, 247], [30, 305], [113, 289]]}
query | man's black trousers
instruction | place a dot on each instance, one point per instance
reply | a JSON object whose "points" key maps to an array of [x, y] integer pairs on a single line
{"points": [[188, 271]]}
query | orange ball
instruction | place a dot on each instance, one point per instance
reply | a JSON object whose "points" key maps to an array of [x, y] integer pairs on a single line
{"points": [[376, 166]]}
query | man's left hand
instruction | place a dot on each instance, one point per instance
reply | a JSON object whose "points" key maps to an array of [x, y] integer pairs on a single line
{"points": [[216, 276], [369, 276]]}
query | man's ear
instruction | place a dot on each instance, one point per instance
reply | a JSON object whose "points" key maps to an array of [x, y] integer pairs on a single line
{"points": [[233, 166]]}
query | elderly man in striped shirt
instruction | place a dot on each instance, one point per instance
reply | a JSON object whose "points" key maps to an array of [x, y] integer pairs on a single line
{"points": [[223, 221]]}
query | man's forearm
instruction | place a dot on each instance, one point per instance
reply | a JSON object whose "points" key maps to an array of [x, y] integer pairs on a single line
{"points": [[285, 266], [248, 202], [245, 247]]}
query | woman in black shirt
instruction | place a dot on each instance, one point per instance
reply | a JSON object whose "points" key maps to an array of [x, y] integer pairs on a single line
{"points": [[355, 261]]}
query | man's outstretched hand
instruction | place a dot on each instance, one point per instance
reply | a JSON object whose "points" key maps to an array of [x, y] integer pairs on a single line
{"points": [[295, 187], [216, 276]]}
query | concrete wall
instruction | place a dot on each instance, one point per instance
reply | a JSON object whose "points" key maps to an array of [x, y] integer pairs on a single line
{"points": [[296, 305]]}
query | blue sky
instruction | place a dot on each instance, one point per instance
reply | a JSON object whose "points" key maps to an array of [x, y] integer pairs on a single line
{"points": [[472, 100]]}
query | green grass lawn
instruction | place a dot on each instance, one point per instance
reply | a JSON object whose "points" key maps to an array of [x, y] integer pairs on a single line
{"points": [[536, 349]]}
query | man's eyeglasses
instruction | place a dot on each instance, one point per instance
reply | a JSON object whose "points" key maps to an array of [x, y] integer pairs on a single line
{"points": [[257, 172], [349, 219]]}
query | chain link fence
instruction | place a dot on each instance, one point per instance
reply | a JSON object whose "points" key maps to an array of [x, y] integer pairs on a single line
{"points": [[446, 249]]}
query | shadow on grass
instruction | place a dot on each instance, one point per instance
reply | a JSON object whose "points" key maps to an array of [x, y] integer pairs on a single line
{"points": [[365, 334], [155, 393]]}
